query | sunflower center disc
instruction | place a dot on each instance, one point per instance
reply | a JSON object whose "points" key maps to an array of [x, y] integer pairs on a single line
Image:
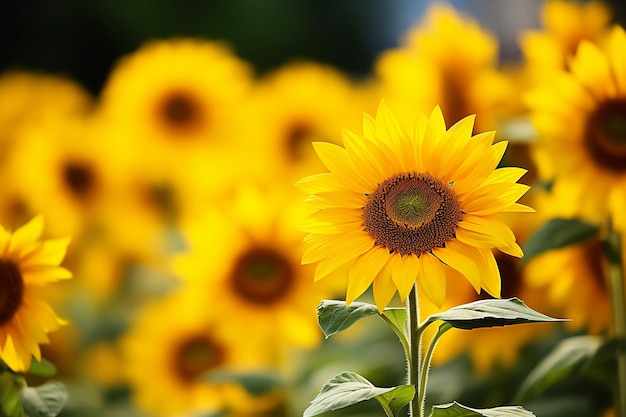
{"points": [[262, 276], [605, 135], [412, 213], [80, 179], [12, 292], [180, 110], [195, 356]]}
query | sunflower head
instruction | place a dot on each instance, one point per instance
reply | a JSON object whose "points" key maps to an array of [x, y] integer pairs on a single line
{"points": [[401, 208], [26, 263]]}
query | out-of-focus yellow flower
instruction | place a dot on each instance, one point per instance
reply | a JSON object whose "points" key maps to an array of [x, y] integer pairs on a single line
{"points": [[411, 207], [446, 60], [173, 348], [179, 95], [295, 105], [58, 168], [26, 265], [580, 117], [564, 25], [245, 262]]}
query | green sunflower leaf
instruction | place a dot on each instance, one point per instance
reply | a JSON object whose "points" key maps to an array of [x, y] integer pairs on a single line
{"points": [[46, 400], [568, 358], [349, 388], [557, 233], [43, 368], [334, 317], [10, 387], [457, 410], [490, 313], [255, 383]]}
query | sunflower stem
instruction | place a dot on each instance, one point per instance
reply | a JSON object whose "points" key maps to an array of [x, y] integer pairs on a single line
{"points": [[414, 359], [618, 303], [426, 365]]}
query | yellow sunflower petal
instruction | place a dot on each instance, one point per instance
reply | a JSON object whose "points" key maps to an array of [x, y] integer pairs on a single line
{"points": [[493, 198], [363, 272], [463, 258], [338, 162], [52, 252], [592, 68], [319, 249], [318, 183], [432, 279], [484, 232], [44, 274], [616, 46], [340, 258], [405, 271], [27, 234], [491, 281], [383, 288]]}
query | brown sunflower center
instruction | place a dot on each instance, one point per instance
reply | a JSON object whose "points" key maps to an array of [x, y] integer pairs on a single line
{"points": [[12, 291], [298, 140], [196, 356], [79, 178], [262, 276], [605, 135], [180, 110], [412, 213]]}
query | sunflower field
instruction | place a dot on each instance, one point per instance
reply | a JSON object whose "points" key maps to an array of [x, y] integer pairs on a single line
{"points": [[270, 209]]}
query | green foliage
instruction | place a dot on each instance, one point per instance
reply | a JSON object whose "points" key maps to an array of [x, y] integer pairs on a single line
{"points": [[350, 388], [43, 368], [557, 233], [457, 410], [490, 313], [567, 359], [46, 400], [10, 386], [334, 317], [256, 383]]}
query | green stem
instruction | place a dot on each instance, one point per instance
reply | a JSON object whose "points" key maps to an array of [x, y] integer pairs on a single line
{"points": [[415, 356], [618, 303], [426, 365]]}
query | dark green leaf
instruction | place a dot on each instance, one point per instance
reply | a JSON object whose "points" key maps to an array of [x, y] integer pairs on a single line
{"points": [[396, 317], [490, 313], [43, 368], [10, 387], [558, 233], [395, 400], [349, 388], [334, 317], [457, 410], [568, 358], [256, 383], [46, 400]]}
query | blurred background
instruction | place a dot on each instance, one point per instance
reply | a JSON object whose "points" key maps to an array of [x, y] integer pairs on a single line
{"points": [[130, 237]]}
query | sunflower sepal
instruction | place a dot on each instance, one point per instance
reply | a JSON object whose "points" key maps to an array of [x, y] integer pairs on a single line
{"points": [[490, 313], [455, 410], [349, 388], [46, 400]]}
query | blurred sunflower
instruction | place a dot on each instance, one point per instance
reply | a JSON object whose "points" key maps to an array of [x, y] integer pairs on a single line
{"points": [[583, 111], [173, 348], [446, 60], [247, 263], [178, 95], [564, 25], [57, 168], [295, 105], [27, 264], [411, 207]]}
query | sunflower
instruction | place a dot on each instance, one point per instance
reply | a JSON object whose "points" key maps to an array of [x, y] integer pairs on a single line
{"points": [[297, 104], [173, 348], [583, 111], [26, 265], [176, 95], [411, 207], [246, 260], [446, 60], [564, 25]]}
